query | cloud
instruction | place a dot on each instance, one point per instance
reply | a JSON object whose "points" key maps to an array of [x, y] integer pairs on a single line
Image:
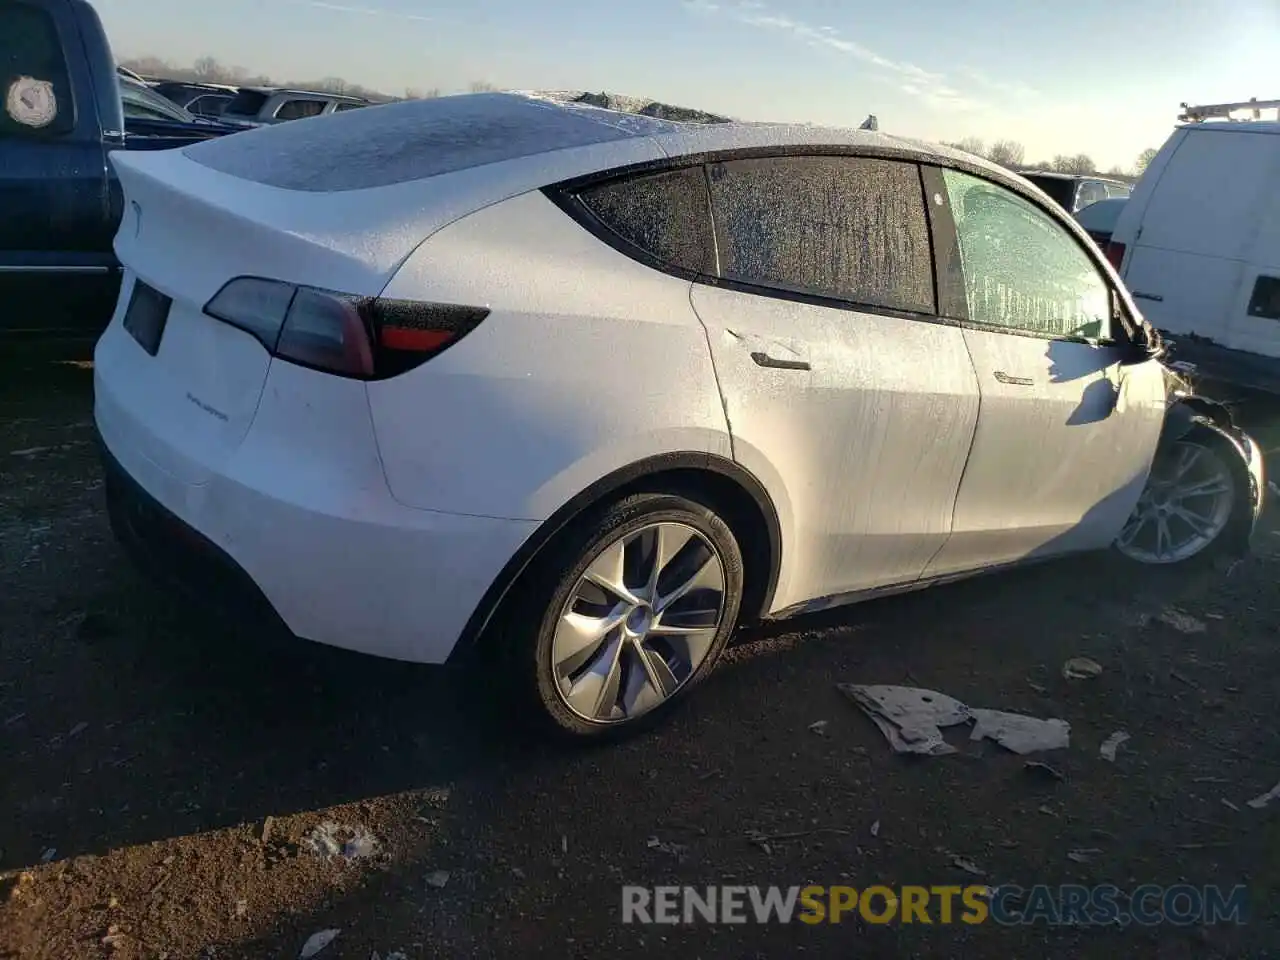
{"points": [[930, 86], [1009, 88], [365, 11]]}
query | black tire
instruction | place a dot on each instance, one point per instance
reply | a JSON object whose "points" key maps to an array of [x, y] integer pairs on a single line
{"points": [[526, 626], [1232, 542]]}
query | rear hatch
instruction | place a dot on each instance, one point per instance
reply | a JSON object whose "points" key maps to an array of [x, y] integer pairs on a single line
{"points": [[191, 383], [337, 203]]}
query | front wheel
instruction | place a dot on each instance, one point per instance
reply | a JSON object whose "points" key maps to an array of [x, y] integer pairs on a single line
{"points": [[1193, 505], [632, 606]]}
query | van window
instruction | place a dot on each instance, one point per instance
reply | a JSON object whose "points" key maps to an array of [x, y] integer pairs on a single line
{"points": [[1022, 270], [1207, 199], [35, 91], [847, 228]]}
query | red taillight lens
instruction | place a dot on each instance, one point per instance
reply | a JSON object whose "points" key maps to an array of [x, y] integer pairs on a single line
{"points": [[361, 337], [1115, 253]]}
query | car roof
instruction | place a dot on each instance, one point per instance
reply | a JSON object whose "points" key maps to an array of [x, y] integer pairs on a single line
{"points": [[1056, 175]]}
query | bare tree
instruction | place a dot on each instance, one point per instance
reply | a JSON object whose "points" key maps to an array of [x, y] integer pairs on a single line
{"points": [[972, 145], [414, 93], [481, 86], [1079, 164], [1144, 159], [1007, 153], [208, 69]]}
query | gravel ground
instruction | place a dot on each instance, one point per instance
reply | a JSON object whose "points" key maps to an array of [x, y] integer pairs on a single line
{"points": [[169, 782]]}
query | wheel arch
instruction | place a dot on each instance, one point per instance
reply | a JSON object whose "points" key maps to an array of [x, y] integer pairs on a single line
{"points": [[734, 491]]}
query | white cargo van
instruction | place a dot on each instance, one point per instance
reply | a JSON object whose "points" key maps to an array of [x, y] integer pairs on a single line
{"points": [[1198, 245]]}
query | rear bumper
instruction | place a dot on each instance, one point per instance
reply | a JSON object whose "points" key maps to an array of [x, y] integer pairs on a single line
{"points": [[269, 538], [176, 555]]}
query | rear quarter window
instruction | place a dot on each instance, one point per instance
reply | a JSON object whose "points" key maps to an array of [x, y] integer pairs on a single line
{"points": [[35, 91], [665, 216], [399, 142], [247, 103]]}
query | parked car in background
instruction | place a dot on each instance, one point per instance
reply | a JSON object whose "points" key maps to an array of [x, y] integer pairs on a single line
{"points": [[143, 102], [201, 99], [1099, 219], [1074, 192], [1198, 244], [268, 105], [126, 72], [695, 374], [60, 204]]}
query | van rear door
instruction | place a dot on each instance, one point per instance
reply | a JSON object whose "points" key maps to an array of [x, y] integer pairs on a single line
{"points": [[1190, 256]]}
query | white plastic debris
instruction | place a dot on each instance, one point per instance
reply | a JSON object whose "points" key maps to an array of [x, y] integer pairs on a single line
{"points": [[438, 879], [1261, 801], [819, 727], [1108, 749], [875, 829], [967, 865], [1020, 734], [912, 719], [317, 942], [331, 839], [663, 846], [1182, 622], [1081, 668]]}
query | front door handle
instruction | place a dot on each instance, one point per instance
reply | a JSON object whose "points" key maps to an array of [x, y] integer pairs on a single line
{"points": [[1014, 381], [764, 360]]}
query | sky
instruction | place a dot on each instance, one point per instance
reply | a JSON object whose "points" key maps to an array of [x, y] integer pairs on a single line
{"points": [[1102, 77]]}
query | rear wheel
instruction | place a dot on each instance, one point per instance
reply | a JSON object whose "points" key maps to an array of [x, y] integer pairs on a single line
{"points": [[625, 614], [1193, 504]]}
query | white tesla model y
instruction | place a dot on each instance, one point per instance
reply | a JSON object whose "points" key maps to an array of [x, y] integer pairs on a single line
{"points": [[577, 391]]}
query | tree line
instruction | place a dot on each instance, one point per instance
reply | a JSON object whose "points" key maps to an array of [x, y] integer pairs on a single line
{"points": [[1011, 154], [210, 70]]}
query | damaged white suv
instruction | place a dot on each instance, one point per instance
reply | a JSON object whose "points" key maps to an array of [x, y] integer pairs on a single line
{"points": [[576, 391]]}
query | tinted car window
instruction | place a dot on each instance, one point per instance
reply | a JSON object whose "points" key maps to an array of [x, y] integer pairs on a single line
{"points": [[1119, 190], [1022, 270], [35, 93], [842, 227], [665, 215], [1091, 191], [297, 109], [347, 106], [210, 105]]}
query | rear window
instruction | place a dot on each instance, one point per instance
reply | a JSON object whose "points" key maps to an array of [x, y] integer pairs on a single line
{"points": [[666, 215], [247, 103], [399, 142], [35, 94], [299, 109]]}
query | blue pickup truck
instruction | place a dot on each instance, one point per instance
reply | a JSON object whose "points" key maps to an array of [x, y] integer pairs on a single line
{"points": [[61, 113]]}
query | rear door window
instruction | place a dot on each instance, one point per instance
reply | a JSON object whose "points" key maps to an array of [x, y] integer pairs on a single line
{"points": [[663, 215], [843, 228], [35, 91], [298, 109]]}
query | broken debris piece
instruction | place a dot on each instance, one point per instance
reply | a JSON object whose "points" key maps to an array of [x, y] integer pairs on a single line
{"points": [[1182, 622], [911, 720], [967, 865], [1084, 855], [1260, 802], [1081, 668], [1020, 734], [1108, 749], [317, 942], [438, 879], [1043, 769], [819, 727]]}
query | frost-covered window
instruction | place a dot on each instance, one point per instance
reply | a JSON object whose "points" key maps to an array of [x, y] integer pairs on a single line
{"points": [[842, 227], [664, 214], [1022, 270]]}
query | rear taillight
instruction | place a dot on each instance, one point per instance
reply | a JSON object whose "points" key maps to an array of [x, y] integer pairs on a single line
{"points": [[1115, 253], [362, 337]]}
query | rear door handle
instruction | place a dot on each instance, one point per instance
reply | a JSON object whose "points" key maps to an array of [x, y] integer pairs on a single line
{"points": [[764, 360], [1014, 381]]}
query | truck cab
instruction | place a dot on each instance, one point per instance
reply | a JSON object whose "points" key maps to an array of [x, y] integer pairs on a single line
{"points": [[60, 115]]}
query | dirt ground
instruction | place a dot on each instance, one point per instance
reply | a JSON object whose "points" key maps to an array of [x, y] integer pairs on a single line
{"points": [[162, 775]]}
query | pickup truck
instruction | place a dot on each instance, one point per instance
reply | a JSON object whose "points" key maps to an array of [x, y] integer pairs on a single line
{"points": [[61, 113]]}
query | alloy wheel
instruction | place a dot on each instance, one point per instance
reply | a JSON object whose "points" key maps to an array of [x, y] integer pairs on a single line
{"points": [[1185, 507], [639, 622]]}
